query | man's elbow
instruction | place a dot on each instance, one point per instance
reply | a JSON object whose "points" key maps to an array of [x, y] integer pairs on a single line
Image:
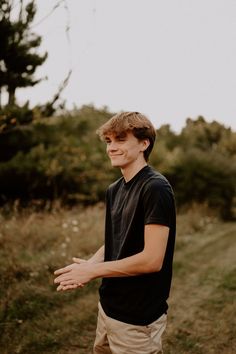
{"points": [[153, 266]]}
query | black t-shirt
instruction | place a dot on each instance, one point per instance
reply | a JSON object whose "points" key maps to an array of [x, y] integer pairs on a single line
{"points": [[146, 199]]}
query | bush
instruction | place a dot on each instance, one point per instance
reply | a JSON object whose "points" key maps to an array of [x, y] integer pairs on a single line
{"points": [[204, 177], [61, 158], [13, 115]]}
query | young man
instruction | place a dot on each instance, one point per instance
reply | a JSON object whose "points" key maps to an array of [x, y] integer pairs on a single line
{"points": [[135, 263]]}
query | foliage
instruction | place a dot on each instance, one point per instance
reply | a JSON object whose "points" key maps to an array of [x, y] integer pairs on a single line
{"points": [[18, 57], [62, 158], [14, 115], [19, 60], [204, 177], [200, 163]]}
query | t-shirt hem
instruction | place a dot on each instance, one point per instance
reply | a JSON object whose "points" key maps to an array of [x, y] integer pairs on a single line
{"points": [[132, 321], [157, 222]]}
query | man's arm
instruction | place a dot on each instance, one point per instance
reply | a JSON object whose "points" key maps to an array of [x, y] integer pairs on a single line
{"points": [[148, 261], [96, 258]]}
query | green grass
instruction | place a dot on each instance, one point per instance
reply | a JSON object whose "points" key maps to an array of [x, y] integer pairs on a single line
{"points": [[34, 318]]}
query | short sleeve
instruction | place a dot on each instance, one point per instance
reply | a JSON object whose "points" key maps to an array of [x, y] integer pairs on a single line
{"points": [[158, 202]]}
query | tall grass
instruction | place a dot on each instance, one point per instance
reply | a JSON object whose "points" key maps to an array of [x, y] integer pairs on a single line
{"points": [[34, 318]]}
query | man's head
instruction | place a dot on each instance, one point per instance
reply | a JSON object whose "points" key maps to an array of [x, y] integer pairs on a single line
{"points": [[130, 122]]}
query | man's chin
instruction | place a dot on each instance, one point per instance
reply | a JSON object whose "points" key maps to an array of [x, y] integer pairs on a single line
{"points": [[115, 164]]}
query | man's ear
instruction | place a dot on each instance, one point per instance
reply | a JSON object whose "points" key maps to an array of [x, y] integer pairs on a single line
{"points": [[146, 144]]}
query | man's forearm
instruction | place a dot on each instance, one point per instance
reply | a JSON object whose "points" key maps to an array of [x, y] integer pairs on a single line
{"points": [[130, 266], [147, 261], [76, 275], [98, 257]]}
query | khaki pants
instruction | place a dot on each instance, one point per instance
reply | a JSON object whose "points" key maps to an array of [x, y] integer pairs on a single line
{"points": [[115, 337]]}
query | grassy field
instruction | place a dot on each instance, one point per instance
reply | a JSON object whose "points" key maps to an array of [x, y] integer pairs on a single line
{"points": [[34, 318]]}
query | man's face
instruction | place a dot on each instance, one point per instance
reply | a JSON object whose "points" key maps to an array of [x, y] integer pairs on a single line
{"points": [[125, 150]]}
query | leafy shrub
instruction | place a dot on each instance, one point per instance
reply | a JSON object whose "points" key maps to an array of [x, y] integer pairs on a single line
{"points": [[204, 177], [62, 158]]}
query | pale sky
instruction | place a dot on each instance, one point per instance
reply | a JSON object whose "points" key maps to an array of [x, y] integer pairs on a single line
{"points": [[170, 59]]}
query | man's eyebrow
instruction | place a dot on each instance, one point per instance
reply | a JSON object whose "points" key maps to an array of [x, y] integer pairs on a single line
{"points": [[115, 136], [121, 135]]}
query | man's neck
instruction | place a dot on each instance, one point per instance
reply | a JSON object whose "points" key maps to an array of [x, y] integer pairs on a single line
{"points": [[130, 171]]}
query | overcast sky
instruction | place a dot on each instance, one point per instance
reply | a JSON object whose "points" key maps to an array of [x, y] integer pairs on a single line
{"points": [[170, 59]]}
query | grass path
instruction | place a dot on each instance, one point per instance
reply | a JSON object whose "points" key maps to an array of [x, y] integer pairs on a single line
{"points": [[202, 316]]}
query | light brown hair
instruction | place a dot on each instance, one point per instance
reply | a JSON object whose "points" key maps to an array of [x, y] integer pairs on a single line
{"points": [[134, 122]]}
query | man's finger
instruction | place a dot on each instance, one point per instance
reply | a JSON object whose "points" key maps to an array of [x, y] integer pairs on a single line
{"points": [[59, 288], [63, 270], [69, 287], [79, 260], [62, 278], [69, 282]]}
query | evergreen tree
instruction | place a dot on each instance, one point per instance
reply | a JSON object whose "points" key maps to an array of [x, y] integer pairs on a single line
{"points": [[18, 44]]}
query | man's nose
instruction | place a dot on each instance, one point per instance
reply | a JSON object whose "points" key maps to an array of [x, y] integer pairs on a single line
{"points": [[112, 146]]}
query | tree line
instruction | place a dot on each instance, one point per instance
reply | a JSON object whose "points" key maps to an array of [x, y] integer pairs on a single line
{"points": [[63, 159]]}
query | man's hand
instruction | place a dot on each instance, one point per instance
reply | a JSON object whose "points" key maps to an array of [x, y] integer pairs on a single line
{"points": [[73, 276], [69, 279]]}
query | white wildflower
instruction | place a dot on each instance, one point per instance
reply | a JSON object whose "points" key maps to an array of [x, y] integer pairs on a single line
{"points": [[34, 274]]}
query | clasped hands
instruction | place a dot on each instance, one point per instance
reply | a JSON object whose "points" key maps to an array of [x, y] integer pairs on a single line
{"points": [[73, 276]]}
